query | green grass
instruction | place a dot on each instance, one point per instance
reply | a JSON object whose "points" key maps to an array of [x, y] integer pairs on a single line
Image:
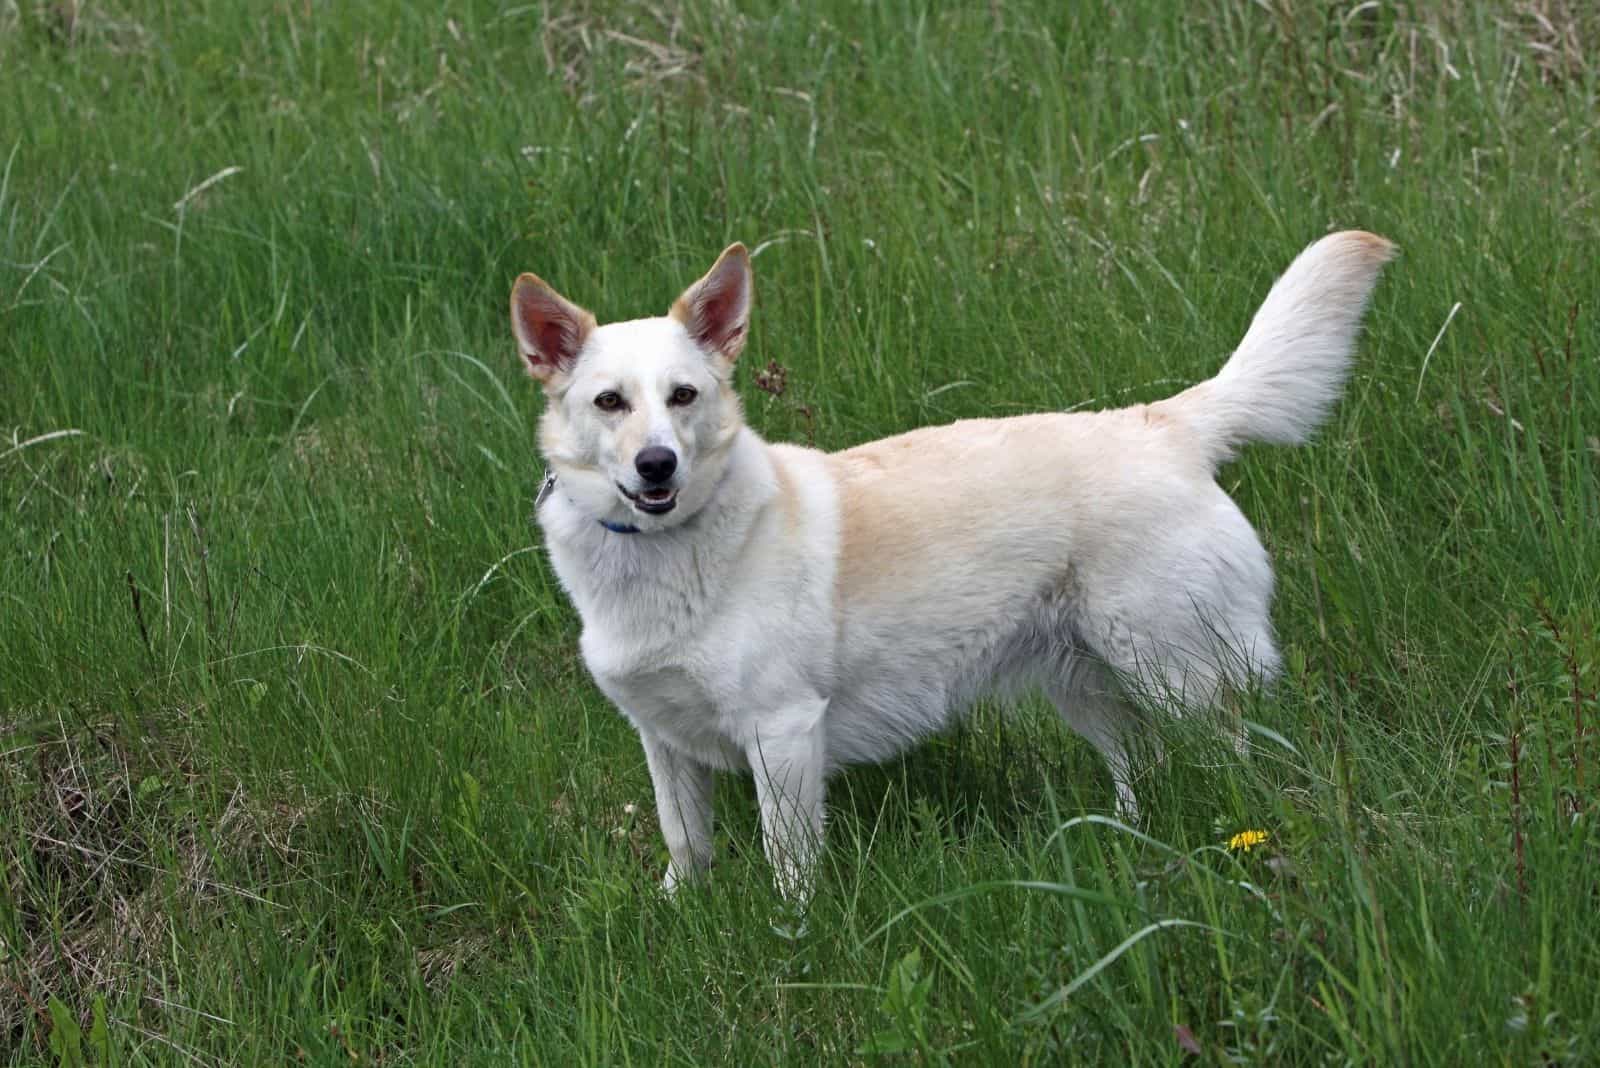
{"points": [[296, 756]]}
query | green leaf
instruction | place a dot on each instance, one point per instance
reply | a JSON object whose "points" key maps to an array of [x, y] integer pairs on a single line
{"points": [[66, 1037], [100, 1035]]}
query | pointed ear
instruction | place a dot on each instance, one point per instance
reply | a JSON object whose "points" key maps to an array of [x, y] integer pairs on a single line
{"points": [[550, 329], [716, 309]]}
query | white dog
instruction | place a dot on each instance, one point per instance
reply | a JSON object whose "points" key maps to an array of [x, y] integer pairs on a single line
{"points": [[785, 611]]}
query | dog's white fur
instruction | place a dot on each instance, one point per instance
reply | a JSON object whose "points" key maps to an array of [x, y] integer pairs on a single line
{"points": [[797, 611]]}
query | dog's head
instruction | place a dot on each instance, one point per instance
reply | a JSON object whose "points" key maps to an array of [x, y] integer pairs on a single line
{"points": [[639, 415]]}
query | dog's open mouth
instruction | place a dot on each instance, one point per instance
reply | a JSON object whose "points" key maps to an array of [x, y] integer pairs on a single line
{"points": [[657, 501]]}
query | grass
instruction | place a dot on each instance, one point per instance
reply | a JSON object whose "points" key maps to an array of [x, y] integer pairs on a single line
{"points": [[297, 761]]}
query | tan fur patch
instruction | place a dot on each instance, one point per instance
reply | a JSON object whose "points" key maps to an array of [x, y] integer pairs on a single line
{"points": [[679, 310], [1375, 247], [788, 498]]}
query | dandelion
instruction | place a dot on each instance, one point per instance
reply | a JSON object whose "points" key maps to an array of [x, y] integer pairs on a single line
{"points": [[1245, 841]]}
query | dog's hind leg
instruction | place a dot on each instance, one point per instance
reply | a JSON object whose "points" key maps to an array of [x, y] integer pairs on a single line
{"points": [[1188, 666], [1191, 627], [1091, 704]]}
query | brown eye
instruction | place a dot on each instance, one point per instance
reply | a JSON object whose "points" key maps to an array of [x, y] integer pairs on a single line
{"points": [[683, 395], [609, 401]]}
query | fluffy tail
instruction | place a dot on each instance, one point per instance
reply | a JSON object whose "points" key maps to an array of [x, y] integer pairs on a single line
{"points": [[1290, 368]]}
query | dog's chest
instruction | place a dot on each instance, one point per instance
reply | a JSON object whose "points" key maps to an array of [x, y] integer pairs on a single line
{"points": [[673, 690], [656, 640], [699, 631]]}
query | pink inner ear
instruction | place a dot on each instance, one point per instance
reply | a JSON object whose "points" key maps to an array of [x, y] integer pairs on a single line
{"points": [[717, 322], [713, 325], [714, 309], [554, 338], [549, 327]]}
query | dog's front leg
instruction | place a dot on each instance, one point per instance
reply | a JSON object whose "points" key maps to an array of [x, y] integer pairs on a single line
{"points": [[683, 808], [788, 757]]}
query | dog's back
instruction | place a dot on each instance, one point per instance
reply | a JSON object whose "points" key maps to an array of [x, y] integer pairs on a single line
{"points": [[1092, 553]]}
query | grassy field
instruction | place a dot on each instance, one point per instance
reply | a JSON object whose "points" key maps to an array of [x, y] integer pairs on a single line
{"points": [[297, 759]]}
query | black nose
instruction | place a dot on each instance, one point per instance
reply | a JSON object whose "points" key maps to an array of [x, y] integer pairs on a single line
{"points": [[656, 463]]}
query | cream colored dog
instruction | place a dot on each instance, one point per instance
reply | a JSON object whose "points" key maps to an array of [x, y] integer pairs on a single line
{"points": [[784, 611]]}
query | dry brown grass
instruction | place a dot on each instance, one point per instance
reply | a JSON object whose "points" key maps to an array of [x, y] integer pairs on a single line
{"points": [[1562, 36], [104, 858], [653, 43]]}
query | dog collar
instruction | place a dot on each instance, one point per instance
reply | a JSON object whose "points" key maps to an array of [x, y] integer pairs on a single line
{"points": [[550, 484]]}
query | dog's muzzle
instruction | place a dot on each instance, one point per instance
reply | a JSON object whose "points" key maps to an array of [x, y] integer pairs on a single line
{"points": [[657, 501], [656, 466]]}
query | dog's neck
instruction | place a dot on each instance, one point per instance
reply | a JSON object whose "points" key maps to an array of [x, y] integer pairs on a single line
{"points": [[618, 528], [635, 584], [548, 486]]}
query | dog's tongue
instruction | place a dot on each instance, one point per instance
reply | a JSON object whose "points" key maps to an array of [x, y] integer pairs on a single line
{"points": [[656, 494]]}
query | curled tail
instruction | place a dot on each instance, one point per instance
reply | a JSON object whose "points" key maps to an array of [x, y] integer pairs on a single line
{"points": [[1290, 368]]}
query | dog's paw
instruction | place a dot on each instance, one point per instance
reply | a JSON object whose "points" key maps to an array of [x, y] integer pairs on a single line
{"points": [[793, 878], [675, 879], [790, 928]]}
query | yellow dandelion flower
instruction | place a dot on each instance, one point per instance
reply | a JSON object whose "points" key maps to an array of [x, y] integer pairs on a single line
{"points": [[1245, 841]]}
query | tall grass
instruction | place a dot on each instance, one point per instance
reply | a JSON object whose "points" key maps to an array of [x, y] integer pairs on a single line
{"points": [[297, 759]]}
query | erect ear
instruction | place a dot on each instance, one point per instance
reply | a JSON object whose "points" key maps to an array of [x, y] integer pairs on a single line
{"points": [[716, 309], [550, 329]]}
